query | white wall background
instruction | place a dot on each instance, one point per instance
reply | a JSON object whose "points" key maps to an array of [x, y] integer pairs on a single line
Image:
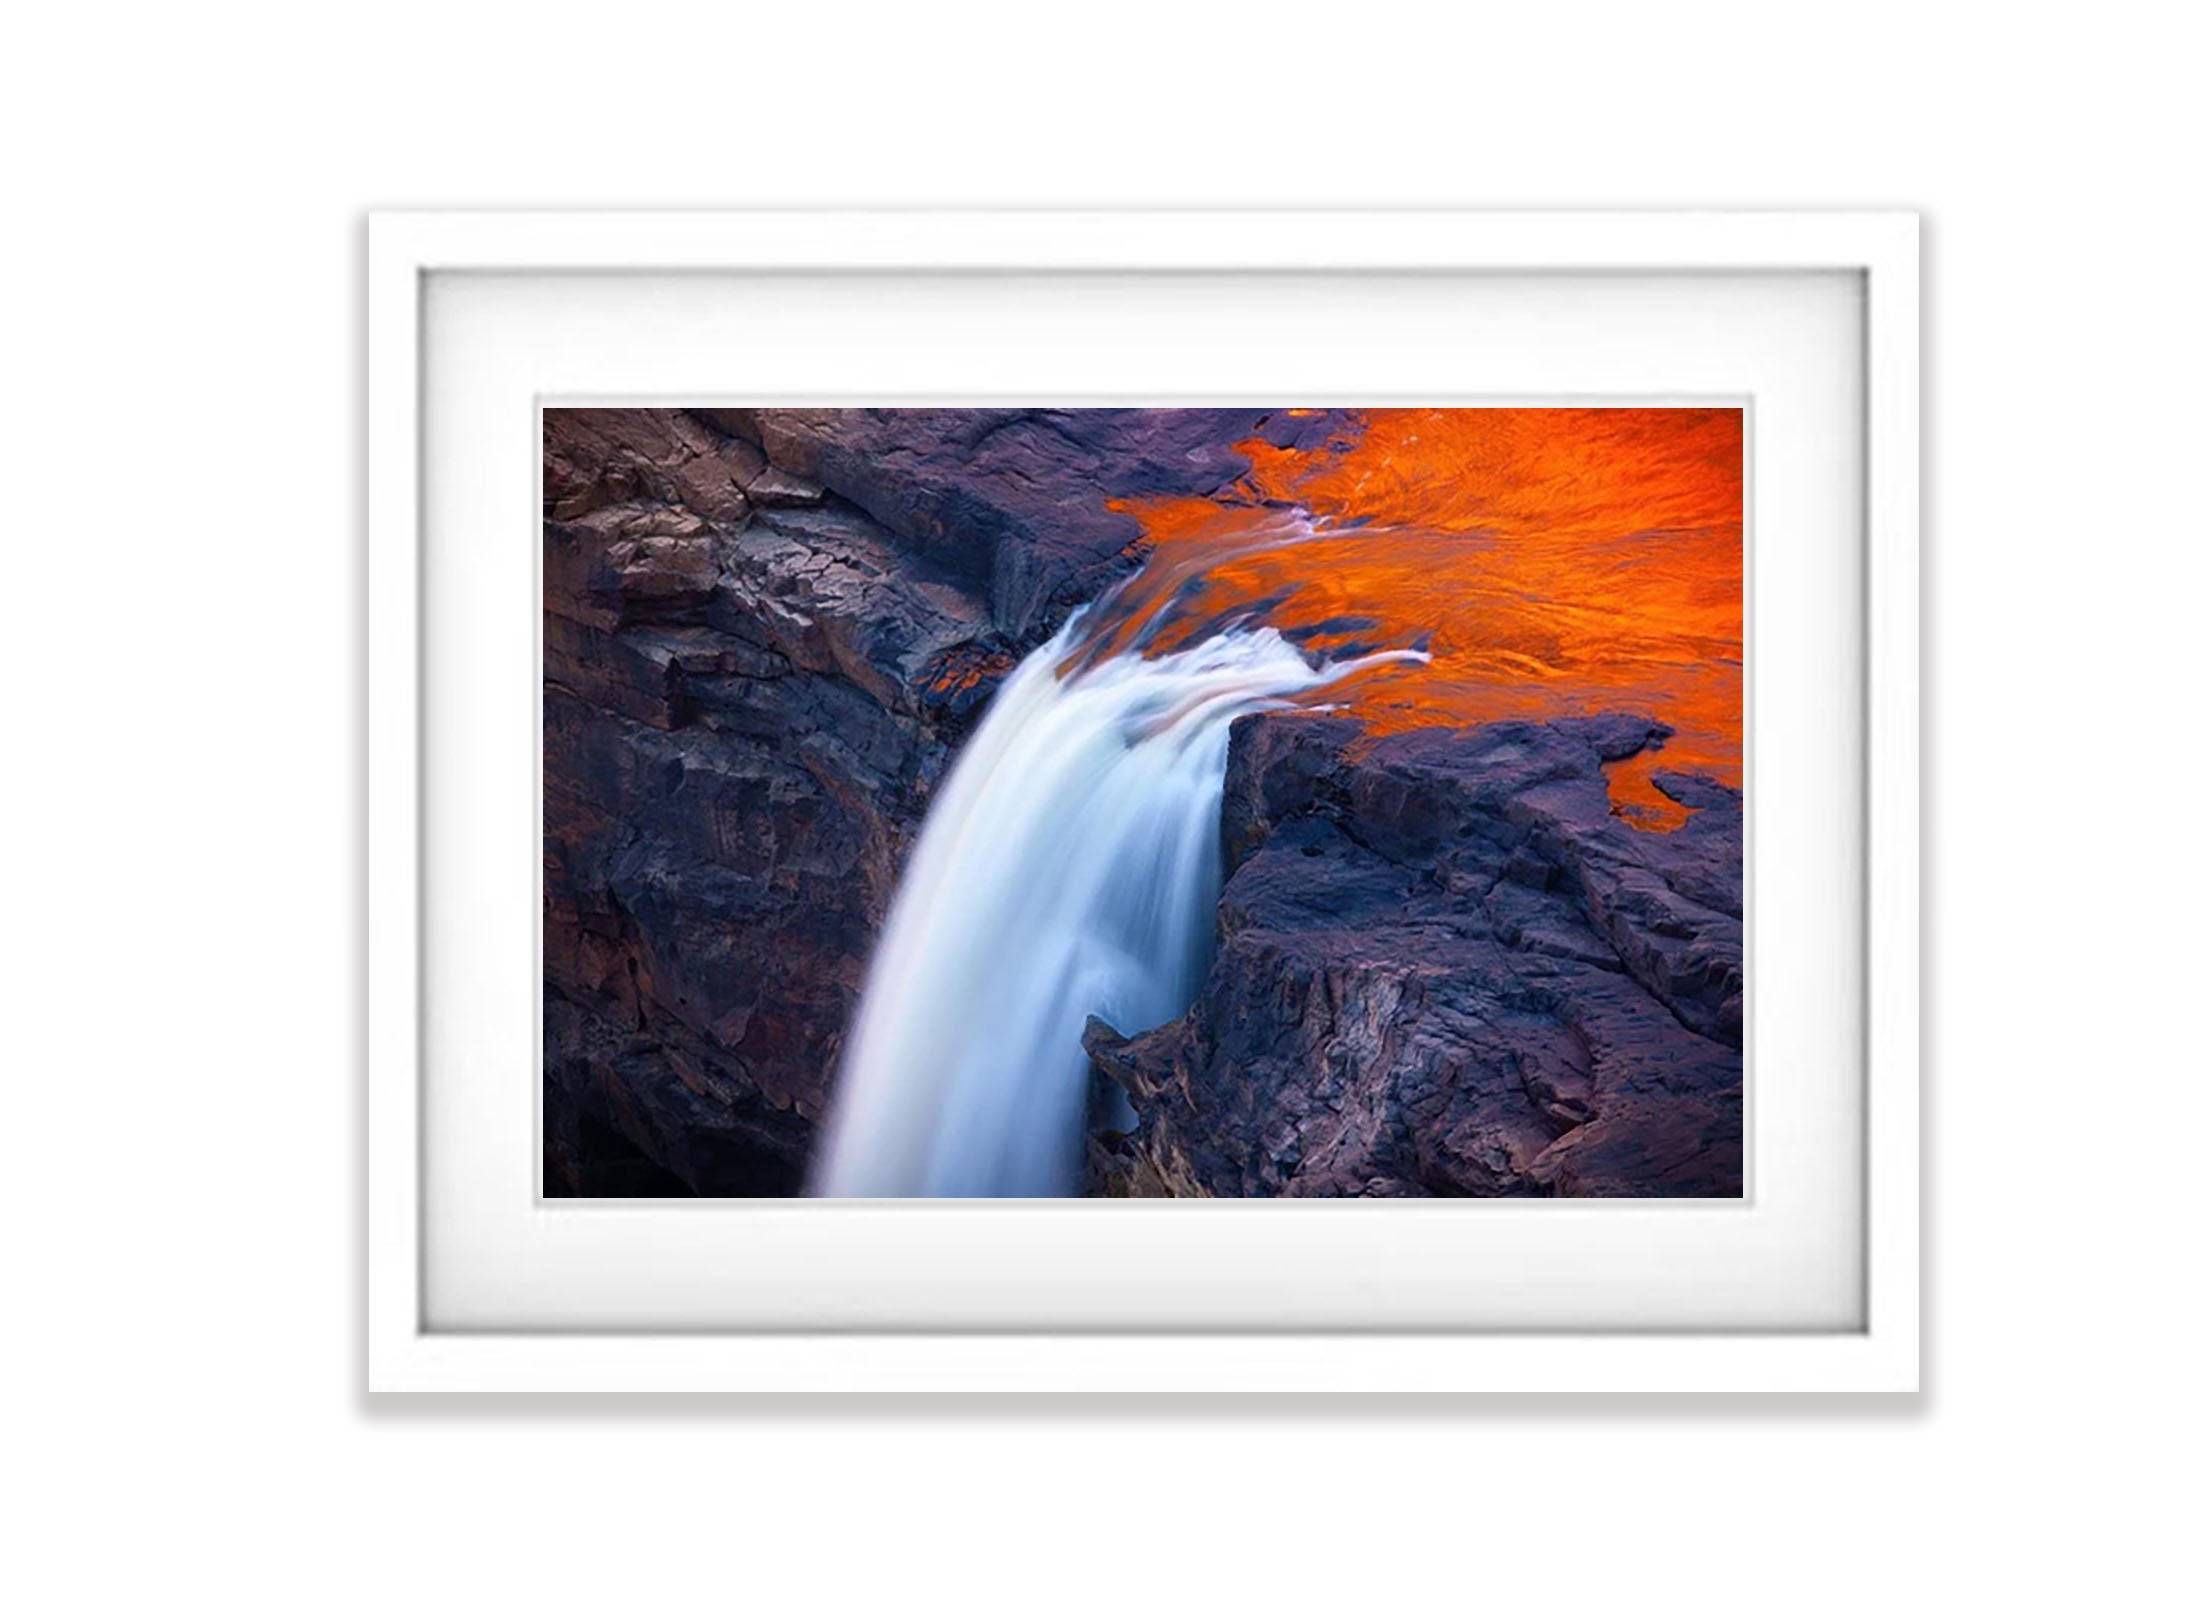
{"points": [[182, 882]]}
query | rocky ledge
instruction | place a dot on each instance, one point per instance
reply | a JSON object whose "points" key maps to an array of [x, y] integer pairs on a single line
{"points": [[1446, 968]]}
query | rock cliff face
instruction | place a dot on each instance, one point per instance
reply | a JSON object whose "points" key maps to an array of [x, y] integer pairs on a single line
{"points": [[765, 632], [1445, 968]]}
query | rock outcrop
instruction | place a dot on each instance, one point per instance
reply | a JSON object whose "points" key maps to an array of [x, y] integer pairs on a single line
{"points": [[1446, 968], [765, 633]]}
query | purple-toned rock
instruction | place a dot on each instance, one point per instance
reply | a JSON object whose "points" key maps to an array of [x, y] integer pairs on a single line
{"points": [[1446, 968], [1015, 502]]}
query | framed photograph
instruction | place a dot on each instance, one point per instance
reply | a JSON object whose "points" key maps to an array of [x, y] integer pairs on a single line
{"points": [[1143, 801]]}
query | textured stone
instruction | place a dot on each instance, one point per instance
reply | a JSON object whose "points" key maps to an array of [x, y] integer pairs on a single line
{"points": [[1445, 968], [1014, 502]]}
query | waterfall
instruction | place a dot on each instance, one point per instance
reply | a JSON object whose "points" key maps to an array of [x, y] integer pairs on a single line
{"points": [[1070, 865]]}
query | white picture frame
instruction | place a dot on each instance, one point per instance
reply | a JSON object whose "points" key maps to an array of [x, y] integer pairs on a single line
{"points": [[406, 1351]]}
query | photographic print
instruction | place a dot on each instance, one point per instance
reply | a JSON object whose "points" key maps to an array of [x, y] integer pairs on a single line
{"points": [[1143, 802]]}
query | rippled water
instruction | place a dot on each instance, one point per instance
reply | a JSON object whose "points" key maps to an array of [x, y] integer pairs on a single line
{"points": [[1556, 561]]}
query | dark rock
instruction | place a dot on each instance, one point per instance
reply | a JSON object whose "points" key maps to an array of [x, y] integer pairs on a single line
{"points": [[594, 458], [772, 487], [1445, 968], [1013, 502], [628, 1113]]}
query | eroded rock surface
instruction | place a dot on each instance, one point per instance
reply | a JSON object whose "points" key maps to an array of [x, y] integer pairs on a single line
{"points": [[1446, 968], [1013, 502]]}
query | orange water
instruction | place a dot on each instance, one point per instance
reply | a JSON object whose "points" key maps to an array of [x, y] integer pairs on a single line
{"points": [[1553, 561]]}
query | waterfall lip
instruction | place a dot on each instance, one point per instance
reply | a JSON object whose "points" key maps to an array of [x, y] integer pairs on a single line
{"points": [[1123, 620]]}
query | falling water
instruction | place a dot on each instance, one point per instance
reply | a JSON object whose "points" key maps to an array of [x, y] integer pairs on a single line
{"points": [[1070, 867]]}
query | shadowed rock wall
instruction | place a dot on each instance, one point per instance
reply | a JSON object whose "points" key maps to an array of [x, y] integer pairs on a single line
{"points": [[1446, 968]]}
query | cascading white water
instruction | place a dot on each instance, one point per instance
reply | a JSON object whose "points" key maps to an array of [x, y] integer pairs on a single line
{"points": [[1070, 866]]}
